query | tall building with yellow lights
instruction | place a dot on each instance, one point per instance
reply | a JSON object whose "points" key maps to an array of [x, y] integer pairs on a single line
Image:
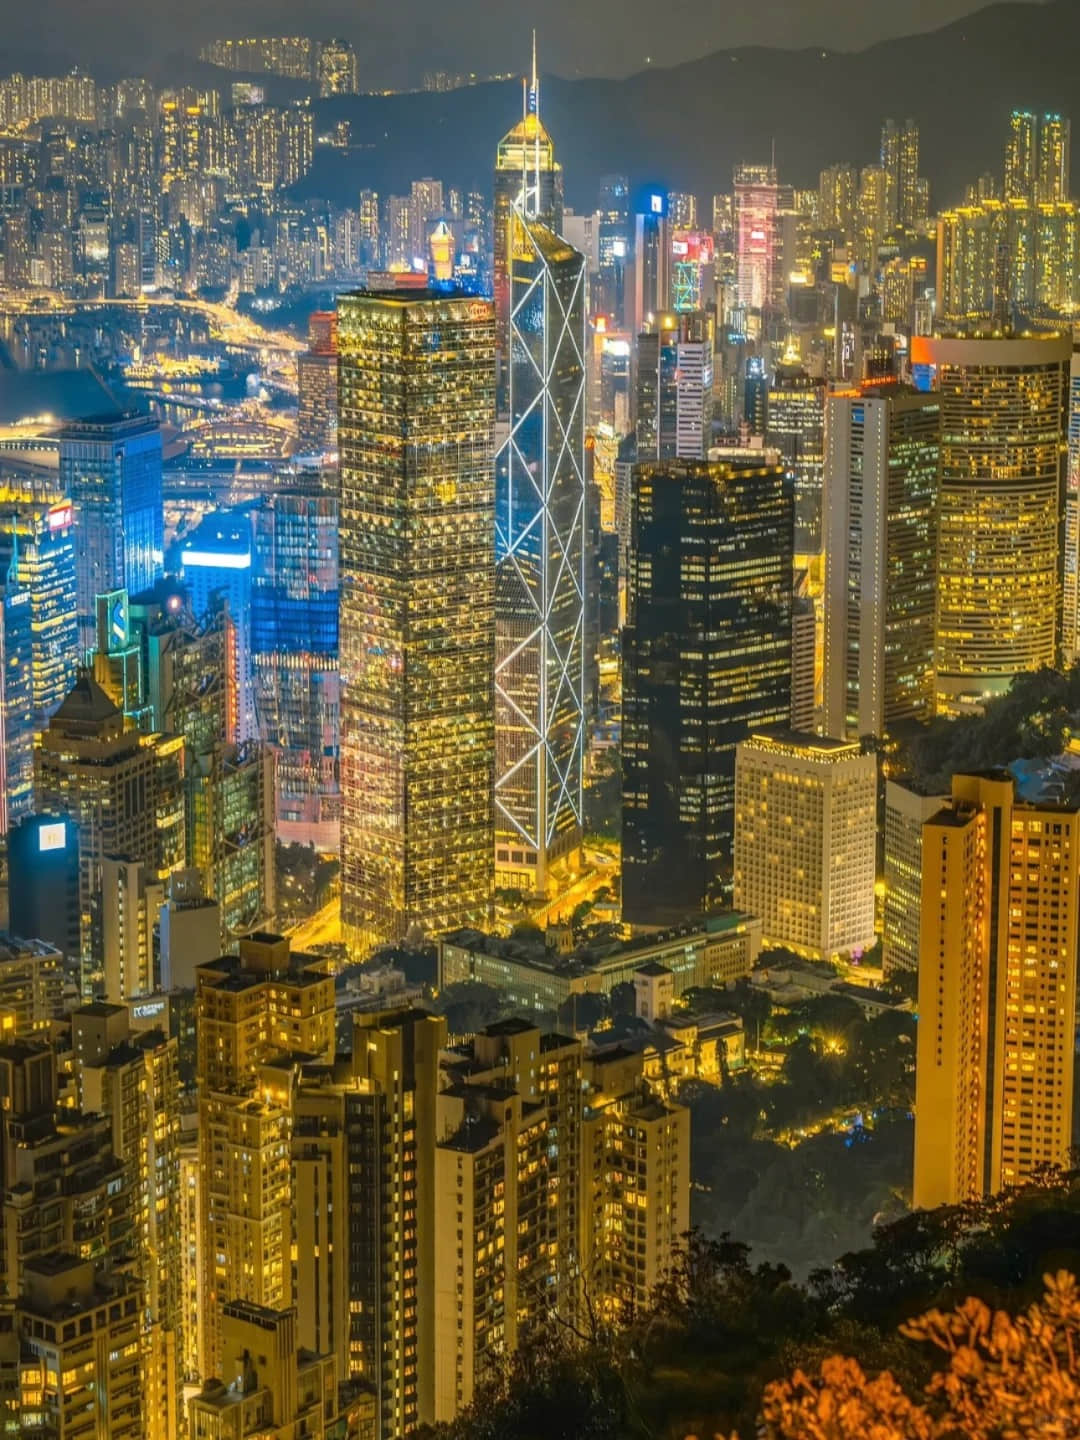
{"points": [[1001, 509], [251, 1011], [806, 841], [417, 593], [997, 991]]}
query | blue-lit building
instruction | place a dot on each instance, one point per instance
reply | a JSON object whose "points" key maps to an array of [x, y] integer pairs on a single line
{"points": [[294, 637], [43, 884], [37, 556], [217, 561], [16, 699], [110, 466]]}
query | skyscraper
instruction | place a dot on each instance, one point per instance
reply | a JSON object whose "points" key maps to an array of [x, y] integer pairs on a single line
{"points": [[881, 483], [316, 378], [294, 625], [806, 841], [16, 699], [795, 425], [674, 396], [1052, 185], [706, 659], [416, 439], [906, 812], [527, 178], [540, 521], [900, 162], [37, 538], [1020, 156], [997, 991], [111, 468], [1001, 509], [216, 559], [759, 276], [122, 788]]}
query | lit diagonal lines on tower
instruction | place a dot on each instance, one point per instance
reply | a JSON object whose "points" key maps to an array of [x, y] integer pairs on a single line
{"points": [[540, 519]]}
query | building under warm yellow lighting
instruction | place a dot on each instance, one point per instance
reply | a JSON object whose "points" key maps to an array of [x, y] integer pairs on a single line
{"points": [[1002, 498], [997, 991], [805, 841]]}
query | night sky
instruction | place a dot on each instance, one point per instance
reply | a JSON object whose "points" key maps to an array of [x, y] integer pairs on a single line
{"points": [[398, 42]]}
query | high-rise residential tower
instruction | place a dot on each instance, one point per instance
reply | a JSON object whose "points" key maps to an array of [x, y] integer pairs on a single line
{"points": [[706, 659], [110, 466], [881, 481], [540, 521], [997, 991], [1021, 156], [1001, 509], [1055, 160], [417, 583]]}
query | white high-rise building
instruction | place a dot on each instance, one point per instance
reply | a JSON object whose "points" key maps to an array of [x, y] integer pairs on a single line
{"points": [[805, 841]]}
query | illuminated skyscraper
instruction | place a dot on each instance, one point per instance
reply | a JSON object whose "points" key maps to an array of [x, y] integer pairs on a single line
{"points": [[1001, 509], [316, 376], [795, 425], [1020, 156], [900, 162], [111, 469], [674, 402], [416, 440], [540, 559], [250, 1010], [37, 538], [997, 991], [294, 623], [1070, 630], [216, 561], [651, 259], [706, 659], [880, 533], [806, 841], [122, 788], [337, 68], [1052, 185], [16, 699], [759, 274], [528, 178]]}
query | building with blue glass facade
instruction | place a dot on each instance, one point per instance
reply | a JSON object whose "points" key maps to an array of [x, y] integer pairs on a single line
{"points": [[110, 466], [37, 555], [294, 625], [217, 562], [16, 699]]}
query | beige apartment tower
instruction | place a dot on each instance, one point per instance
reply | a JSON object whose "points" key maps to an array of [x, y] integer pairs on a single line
{"points": [[997, 991]]}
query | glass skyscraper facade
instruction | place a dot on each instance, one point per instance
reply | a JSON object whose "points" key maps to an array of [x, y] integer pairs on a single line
{"points": [[37, 539], [294, 625], [16, 700], [539, 529], [110, 467], [416, 412], [706, 659], [216, 560]]}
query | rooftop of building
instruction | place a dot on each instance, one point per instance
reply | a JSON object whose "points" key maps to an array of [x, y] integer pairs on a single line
{"points": [[13, 947], [408, 295], [475, 1133], [652, 968], [86, 703], [782, 737]]}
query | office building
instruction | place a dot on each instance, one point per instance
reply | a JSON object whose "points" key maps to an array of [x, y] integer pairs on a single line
{"points": [[294, 626], [997, 991], [230, 804], [37, 553], [806, 841], [190, 930], [110, 467], [674, 393], [651, 259], [528, 179], [117, 659], [1002, 480], [316, 374], [804, 656], [795, 425], [540, 522], [706, 660], [906, 812], [1070, 622], [251, 1010], [123, 790], [881, 484], [43, 882], [217, 564], [31, 986], [759, 278], [417, 612], [16, 699]]}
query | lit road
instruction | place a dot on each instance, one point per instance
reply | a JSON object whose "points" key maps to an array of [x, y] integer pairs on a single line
{"points": [[322, 928], [601, 869]]}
